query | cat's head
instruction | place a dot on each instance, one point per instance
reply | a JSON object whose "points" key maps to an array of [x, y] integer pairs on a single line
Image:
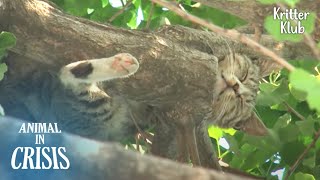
{"points": [[236, 90]]}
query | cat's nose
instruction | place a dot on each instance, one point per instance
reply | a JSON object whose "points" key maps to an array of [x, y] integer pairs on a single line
{"points": [[232, 83], [235, 87]]}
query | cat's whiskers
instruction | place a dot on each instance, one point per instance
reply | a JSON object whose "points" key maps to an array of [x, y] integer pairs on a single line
{"points": [[225, 101], [231, 59], [241, 101]]}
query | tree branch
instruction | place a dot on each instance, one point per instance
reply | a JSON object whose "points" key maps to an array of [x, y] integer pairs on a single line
{"points": [[303, 154], [120, 11], [94, 160], [169, 55], [235, 35]]}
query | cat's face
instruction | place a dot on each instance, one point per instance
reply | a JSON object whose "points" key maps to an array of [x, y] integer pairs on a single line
{"points": [[236, 90]]}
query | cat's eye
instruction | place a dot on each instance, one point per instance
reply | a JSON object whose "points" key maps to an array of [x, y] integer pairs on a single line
{"points": [[237, 126], [222, 76], [245, 76]]}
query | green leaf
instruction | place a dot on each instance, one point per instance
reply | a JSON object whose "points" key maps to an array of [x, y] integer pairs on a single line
{"points": [[267, 99], [303, 176], [303, 81], [80, 7], [230, 131], [3, 53], [268, 116], [289, 133], [245, 151], [318, 144], [273, 26], [3, 69], [268, 1], [299, 95], [309, 23], [307, 65], [7, 40], [100, 14], [255, 159], [282, 122], [292, 3], [300, 79], [263, 143], [217, 17], [310, 160], [104, 3], [1, 111], [215, 132], [306, 127], [313, 98], [175, 19], [233, 142], [131, 18], [290, 151], [267, 87], [273, 95]]}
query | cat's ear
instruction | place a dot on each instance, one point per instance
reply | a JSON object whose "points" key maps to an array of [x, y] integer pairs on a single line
{"points": [[254, 126], [266, 66]]}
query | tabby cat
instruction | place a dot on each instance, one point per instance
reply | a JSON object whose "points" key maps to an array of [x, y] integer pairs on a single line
{"points": [[74, 100], [235, 91]]}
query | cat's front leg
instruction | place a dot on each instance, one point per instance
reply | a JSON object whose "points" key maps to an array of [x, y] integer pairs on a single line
{"points": [[97, 70], [207, 154]]}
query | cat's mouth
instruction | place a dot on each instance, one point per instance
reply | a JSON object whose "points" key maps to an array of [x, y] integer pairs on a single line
{"points": [[229, 87]]}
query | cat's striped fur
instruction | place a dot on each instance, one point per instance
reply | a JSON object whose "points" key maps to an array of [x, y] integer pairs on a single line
{"points": [[236, 90], [89, 111]]}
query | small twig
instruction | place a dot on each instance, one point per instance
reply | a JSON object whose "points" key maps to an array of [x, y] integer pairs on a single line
{"points": [[240, 173], [233, 34], [307, 38], [137, 142], [312, 44], [257, 32], [150, 16], [122, 3], [304, 153], [120, 11], [145, 136], [290, 109]]}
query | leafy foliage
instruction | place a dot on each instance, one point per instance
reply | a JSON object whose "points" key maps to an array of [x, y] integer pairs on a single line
{"points": [[288, 103], [7, 40], [292, 3]]}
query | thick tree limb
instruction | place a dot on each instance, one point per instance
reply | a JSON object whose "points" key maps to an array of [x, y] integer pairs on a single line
{"points": [[50, 37], [93, 160]]}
